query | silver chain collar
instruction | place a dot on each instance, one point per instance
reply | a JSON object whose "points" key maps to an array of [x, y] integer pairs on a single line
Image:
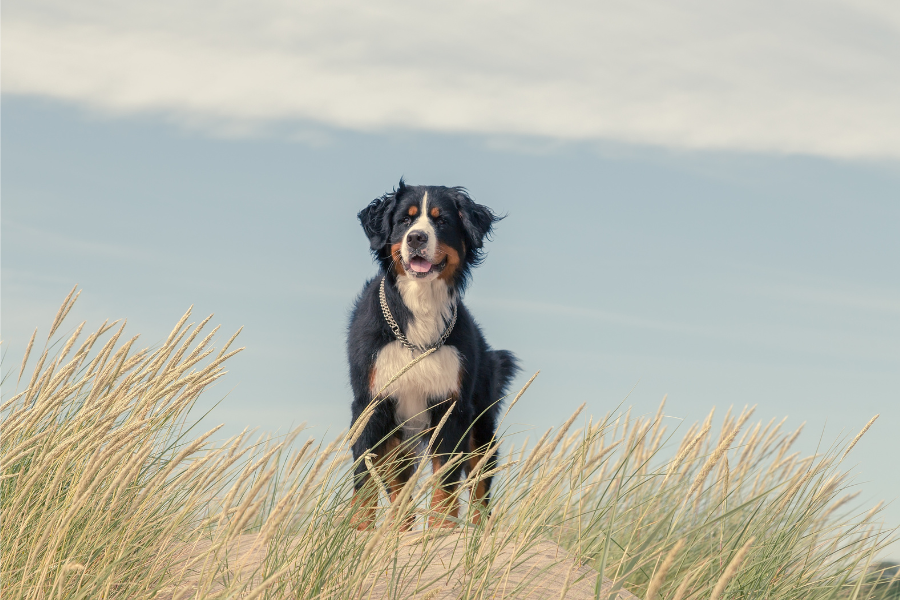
{"points": [[398, 333]]}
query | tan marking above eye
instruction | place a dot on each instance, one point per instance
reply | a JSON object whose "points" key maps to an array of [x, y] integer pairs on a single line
{"points": [[435, 212], [413, 210]]}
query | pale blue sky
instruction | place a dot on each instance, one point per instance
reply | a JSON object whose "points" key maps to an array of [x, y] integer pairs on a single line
{"points": [[722, 226]]}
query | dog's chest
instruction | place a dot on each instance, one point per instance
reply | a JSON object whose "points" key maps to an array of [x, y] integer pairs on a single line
{"points": [[435, 378]]}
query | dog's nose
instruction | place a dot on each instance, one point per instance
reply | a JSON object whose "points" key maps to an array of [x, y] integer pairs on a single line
{"points": [[416, 239]]}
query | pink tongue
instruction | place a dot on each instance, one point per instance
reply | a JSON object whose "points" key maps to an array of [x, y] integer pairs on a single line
{"points": [[419, 264]]}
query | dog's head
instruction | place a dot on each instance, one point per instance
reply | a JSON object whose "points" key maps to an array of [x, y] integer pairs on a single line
{"points": [[428, 232]]}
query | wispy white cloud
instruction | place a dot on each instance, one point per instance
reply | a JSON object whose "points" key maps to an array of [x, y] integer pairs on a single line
{"points": [[32, 239], [835, 342], [849, 297], [806, 76]]}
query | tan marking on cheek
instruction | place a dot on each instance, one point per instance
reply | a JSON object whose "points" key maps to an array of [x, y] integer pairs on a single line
{"points": [[452, 261], [372, 379], [413, 210], [435, 212], [398, 261]]}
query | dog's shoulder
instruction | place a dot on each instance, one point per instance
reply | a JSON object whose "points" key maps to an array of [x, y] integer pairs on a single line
{"points": [[365, 332]]}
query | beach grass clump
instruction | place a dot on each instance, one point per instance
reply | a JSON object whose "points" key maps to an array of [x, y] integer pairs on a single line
{"points": [[736, 513], [107, 491]]}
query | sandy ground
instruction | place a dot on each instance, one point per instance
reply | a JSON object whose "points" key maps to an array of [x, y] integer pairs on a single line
{"points": [[429, 567]]}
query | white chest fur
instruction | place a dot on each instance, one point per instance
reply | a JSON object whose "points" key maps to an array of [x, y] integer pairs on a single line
{"points": [[435, 377], [431, 305]]}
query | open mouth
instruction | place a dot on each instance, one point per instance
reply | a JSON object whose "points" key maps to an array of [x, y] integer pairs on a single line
{"points": [[420, 267]]}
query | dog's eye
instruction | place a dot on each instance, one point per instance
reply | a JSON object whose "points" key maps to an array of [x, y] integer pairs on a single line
{"points": [[406, 220], [441, 221]]}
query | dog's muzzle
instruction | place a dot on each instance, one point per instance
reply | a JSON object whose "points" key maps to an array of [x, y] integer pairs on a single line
{"points": [[419, 266]]}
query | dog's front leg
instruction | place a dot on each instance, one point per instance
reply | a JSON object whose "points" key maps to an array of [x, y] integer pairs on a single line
{"points": [[451, 442], [376, 438], [393, 465], [444, 502], [396, 467]]}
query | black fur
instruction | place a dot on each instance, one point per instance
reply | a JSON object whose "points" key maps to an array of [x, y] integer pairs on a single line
{"points": [[486, 373]]}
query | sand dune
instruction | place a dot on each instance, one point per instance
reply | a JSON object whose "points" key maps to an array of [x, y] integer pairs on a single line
{"points": [[432, 567]]}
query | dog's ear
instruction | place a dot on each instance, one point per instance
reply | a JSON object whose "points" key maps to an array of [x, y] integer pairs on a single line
{"points": [[376, 220], [477, 219]]}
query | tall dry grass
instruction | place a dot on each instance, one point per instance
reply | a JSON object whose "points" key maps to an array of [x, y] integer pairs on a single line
{"points": [[108, 492]]}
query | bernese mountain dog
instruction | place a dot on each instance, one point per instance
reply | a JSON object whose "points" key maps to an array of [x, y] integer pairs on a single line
{"points": [[426, 240]]}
